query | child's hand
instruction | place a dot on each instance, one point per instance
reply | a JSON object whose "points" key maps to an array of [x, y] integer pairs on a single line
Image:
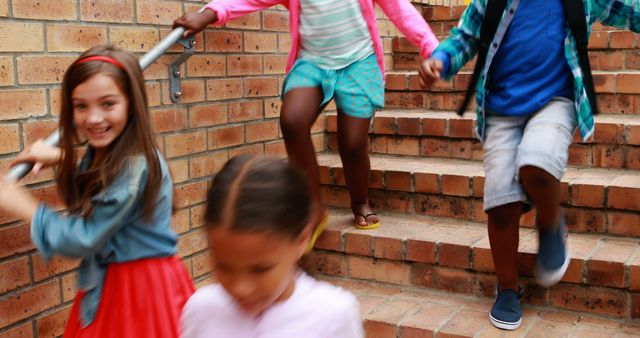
{"points": [[41, 153], [16, 200], [195, 22], [430, 72]]}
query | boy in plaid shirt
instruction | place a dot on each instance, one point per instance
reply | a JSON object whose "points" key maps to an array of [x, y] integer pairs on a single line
{"points": [[531, 95]]}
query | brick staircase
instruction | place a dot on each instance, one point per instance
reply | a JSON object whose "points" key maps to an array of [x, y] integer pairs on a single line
{"points": [[428, 271]]}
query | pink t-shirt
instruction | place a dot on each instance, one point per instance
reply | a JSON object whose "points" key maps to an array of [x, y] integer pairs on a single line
{"points": [[314, 310]]}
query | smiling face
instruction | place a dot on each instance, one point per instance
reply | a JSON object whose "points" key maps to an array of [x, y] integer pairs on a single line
{"points": [[256, 269], [100, 110]]}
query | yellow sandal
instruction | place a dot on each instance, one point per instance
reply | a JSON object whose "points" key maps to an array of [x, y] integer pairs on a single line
{"points": [[318, 231], [368, 226]]}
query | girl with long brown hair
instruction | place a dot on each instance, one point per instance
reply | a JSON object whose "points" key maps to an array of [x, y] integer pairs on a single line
{"points": [[119, 202]]}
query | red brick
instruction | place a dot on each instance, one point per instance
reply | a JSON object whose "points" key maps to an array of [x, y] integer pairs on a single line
{"points": [[609, 133], [22, 331], [461, 128], [134, 39], [171, 119], [192, 242], [251, 21], [272, 108], [207, 115], [246, 111], [244, 65], [398, 180], [74, 38], [466, 323], [107, 11], [10, 139], [262, 131], [624, 193], [275, 21], [14, 274], [358, 243], [224, 89], [455, 249], [197, 216], [260, 87], [620, 223], [223, 42], [260, 43], [585, 220], [53, 324], [633, 135], [453, 280], [608, 156], [455, 185], [606, 265], [331, 239], [42, 69], [16, 239], [635, 306], [434, 127], [627, 82], [202, 264], [444, 206], [587, 195], [45, 9], [388, 248], [44, 269], [28, 302], [409, 126], [207, 165], [588, 299], [326, 262], [275, 64], [190, 194], [225, 137], [157, 12], [382, 321], [185, 144], [427, 183], [426, 321], [378, 270], [622, 40], [580, 155], [403, 146]]}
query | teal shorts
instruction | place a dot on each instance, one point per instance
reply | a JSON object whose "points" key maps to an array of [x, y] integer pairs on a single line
{"points": [[358, 88]]}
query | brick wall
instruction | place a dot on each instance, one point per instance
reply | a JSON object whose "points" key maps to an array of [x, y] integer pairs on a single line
{"points": [[230, 105]]}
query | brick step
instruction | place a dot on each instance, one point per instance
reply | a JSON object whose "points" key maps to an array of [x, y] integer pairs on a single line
{"points": [[417, 132], [392, 311], [595, 200], [617, 91], [444, 254]]}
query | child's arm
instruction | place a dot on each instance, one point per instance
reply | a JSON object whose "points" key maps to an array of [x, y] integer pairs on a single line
{"points": [[411, 24], [72, 235], [221, 11], [617, 13]]}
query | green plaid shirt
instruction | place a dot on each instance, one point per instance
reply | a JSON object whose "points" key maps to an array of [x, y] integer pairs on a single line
{"points": [[464, 41]]}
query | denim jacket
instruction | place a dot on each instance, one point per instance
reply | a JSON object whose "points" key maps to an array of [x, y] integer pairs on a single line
{"points": [[115, 232]]}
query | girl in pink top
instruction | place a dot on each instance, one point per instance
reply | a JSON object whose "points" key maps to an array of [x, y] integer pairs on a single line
{"points": [[336, 54]]}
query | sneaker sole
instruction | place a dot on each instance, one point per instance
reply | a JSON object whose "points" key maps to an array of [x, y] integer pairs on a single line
{"points": [[548, 278], [505, 325]]}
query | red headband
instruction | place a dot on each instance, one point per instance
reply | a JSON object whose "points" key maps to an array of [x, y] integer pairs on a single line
{"points": [[103, 59]]}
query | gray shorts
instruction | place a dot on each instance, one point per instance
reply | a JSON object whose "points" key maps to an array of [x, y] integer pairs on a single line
{"points": [[541, 140]]}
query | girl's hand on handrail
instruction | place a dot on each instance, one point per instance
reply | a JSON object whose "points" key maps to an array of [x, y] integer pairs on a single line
{"points": [[195, 22]]}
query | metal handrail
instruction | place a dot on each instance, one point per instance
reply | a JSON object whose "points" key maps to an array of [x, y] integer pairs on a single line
{"points": [[21, 170]]}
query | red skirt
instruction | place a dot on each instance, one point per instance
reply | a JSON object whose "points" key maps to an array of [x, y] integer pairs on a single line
{"points": [[142, 298]]}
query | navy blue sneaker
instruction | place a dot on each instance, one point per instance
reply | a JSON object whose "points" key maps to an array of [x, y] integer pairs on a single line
{"points": [[553, 255], [505, 312]]}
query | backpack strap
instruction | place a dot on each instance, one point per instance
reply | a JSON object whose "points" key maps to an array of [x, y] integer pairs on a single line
{"points": [[574, 10], [492, 16]]}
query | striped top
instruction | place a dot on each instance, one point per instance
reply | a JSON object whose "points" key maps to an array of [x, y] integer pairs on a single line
{"points": [[334, 33]]}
